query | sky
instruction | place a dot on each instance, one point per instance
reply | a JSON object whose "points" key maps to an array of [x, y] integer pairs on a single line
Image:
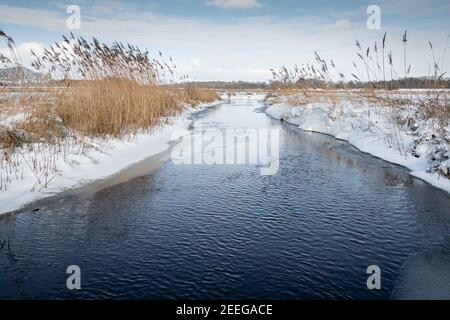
{"points": [[239, 39]]}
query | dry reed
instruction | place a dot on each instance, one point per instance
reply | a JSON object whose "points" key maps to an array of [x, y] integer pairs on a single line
{"points": [[84, 90]]}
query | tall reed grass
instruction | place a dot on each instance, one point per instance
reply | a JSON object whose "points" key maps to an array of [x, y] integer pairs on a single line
{"points": [[375, 83], [85, 89]]}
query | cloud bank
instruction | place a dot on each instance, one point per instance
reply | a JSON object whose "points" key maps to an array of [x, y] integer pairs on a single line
{"points": [[234, 4]]}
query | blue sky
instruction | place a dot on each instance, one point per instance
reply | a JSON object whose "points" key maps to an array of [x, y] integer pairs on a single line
{"points": [[237, 39]]}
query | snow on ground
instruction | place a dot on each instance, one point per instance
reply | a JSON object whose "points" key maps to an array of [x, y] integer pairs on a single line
{"points": [[75, 169], [413, 144]]}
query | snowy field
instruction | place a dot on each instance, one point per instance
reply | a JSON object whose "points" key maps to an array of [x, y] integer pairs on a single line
{"points": [[44, 170], [410, 141], [402, 137]]}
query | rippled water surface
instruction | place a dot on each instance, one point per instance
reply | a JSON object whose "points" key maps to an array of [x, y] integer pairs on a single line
{"points": [[225, 231]]}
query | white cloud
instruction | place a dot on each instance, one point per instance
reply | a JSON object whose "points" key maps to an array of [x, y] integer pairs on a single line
{"points": [[196, 63], [23, 51], [31, 17], [234, 4], [339, 24]]}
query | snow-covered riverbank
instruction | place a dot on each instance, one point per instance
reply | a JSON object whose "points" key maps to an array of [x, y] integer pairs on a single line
{"points": [[71, 167], [414, 144]]}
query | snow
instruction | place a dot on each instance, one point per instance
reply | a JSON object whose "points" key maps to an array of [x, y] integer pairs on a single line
{"points": [[105, 158], [371, 129], [368, 128]]}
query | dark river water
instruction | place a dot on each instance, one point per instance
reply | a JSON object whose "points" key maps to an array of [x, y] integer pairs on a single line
{"points": [[226, 231]]}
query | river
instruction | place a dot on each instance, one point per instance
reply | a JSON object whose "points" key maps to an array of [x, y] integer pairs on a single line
{"points": [[163, 230]]}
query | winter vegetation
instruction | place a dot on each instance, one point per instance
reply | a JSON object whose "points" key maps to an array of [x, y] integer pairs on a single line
{"points": [[377, 108], [88, 109], [84, 99]]}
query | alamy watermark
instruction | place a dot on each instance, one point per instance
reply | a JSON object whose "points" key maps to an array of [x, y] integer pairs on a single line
{"points": [[374, 280], [211, 146], [73, 22], [74, 280], [374, 20]]}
